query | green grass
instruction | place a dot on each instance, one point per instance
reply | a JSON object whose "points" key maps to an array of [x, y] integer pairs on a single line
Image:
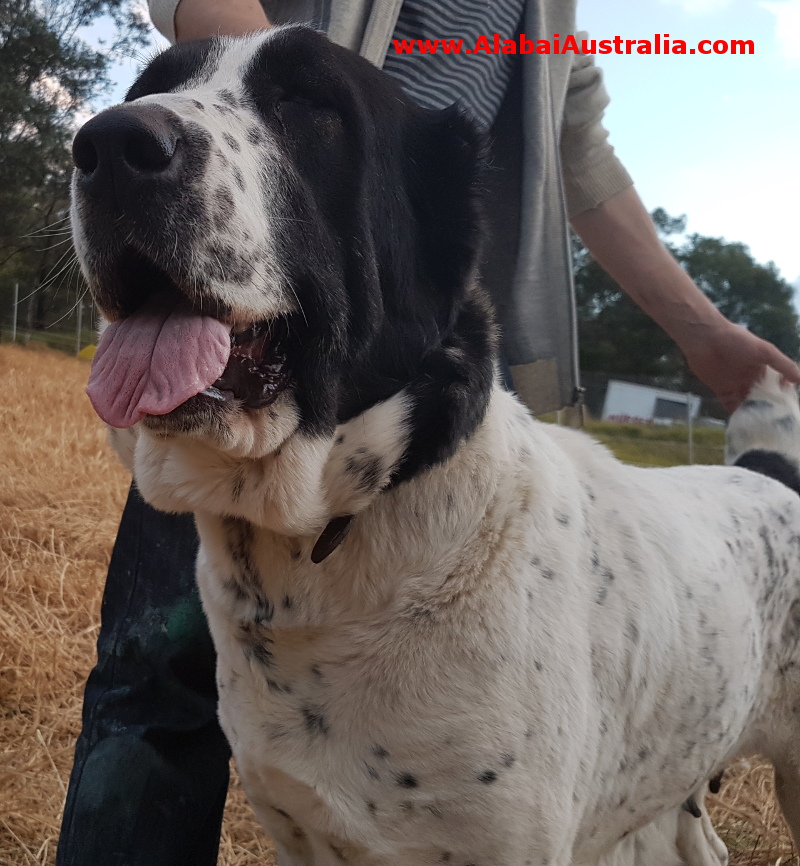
{"points": [[652, 445], [60, 340]]}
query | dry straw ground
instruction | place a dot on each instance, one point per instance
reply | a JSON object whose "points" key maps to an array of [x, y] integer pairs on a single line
{"points": [[61, 494]]}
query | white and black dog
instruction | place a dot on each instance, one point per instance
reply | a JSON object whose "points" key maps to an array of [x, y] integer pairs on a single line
{"points": [[446, 633]]}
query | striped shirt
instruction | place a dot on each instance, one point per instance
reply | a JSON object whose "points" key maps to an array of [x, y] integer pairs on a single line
{"points": [[477, 81]]}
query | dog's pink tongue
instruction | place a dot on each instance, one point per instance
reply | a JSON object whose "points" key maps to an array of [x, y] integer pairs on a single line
{"points": [[156, 359]]}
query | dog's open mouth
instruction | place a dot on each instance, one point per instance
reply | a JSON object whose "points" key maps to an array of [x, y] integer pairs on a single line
{"points": [[257, 369], [167, 353]]}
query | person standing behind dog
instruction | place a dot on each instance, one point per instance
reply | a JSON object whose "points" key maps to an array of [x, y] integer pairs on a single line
{"points": [[150, 776]]}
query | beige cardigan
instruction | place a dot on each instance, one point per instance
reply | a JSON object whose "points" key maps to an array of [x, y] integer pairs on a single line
{"points": [[549, 135]]}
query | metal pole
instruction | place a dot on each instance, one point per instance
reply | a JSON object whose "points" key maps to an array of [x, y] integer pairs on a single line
{"points": [[80, 323], [689, 422], [14, 319]]}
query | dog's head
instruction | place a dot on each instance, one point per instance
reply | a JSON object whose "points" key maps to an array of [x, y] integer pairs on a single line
{"points": [[282, 240]]}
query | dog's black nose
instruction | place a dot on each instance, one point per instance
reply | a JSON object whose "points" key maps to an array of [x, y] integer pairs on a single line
{"points": [[125, 145]]}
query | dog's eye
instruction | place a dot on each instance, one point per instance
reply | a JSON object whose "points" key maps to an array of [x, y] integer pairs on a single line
{"points": [[296, 111], [296, 99]]}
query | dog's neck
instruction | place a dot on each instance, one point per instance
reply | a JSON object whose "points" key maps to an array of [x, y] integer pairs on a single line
{"points": [[288, 498], [404, 541]]}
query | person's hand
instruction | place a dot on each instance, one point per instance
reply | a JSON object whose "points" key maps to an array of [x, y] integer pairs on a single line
{"points": [[730, 360]]}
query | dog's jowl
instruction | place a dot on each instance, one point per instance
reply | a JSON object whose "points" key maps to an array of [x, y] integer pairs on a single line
{"points": [[446, 633]]}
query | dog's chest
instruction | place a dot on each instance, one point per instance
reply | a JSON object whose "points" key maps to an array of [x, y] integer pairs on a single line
{"points": [[374, 732]]}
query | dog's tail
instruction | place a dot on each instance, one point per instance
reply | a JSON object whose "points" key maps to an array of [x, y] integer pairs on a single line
{"points": [[764, 432]]}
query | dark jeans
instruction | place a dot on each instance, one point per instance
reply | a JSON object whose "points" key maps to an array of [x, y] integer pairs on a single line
{"points": [[151, 764]]}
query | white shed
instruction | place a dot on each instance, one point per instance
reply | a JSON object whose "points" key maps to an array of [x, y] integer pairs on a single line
{"points": [[640, 404]]}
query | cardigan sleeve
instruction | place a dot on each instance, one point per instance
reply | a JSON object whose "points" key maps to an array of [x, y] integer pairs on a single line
{"points": [[162, 13], [591, 171]]}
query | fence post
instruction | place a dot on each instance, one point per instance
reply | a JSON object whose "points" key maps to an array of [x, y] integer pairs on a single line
{"points": [[14, 318], [689, 424], [80, 324]]}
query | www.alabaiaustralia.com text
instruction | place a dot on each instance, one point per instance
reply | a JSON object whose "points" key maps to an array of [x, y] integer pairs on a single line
{"points": [[659, 43]]}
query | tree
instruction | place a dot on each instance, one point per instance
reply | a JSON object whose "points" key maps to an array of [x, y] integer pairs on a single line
{"points": [[47, 75], [753, 295], [616, 337]]}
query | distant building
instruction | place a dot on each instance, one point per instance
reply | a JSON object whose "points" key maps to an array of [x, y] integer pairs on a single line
{"points": [[627, 403]]}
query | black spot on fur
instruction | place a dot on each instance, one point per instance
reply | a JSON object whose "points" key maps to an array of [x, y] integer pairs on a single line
{"points": [[239, 541], [338, 852], [225, 206], [259, 652], [379, 752], [406, 780], [227, 265], [487, 777], [507, 759], [368, 468], [228, 96], [232, 143], [769, 551], [239, 178], [314, 719], [278, 688], [287, 602], [238, 485]]}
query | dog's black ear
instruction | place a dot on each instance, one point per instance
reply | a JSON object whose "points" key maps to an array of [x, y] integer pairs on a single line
{"points": [[446, 162], [173, 68]]}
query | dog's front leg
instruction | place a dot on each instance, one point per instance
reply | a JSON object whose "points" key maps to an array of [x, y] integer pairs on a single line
{"points": [[698, 842]]}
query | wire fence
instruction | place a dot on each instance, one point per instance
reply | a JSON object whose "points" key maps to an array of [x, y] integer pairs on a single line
{"points": [[68, 327]]}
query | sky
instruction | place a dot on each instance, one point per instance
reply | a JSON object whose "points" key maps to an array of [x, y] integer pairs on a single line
{"points": [[716, 138]]}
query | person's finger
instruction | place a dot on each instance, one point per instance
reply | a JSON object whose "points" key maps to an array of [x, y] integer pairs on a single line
{"points": [[785, 366]]}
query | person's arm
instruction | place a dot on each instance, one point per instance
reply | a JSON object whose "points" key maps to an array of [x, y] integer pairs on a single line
{"points": [[198, 19], [728, 358], [182, 20]]}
